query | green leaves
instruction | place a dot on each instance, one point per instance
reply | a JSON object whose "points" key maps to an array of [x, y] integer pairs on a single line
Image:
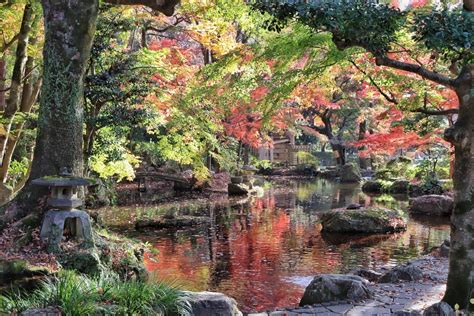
{"points": [[352, 23], [447, 32]]}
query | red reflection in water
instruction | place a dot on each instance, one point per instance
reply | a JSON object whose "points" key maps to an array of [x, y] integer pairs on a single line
{"points": [[255, 248]]}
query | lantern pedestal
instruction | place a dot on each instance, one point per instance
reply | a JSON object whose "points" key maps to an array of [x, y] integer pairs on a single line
{"points": [[75, 222]]}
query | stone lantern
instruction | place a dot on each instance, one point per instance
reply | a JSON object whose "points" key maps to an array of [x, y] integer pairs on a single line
{"points": [[248, 172], [63, 215]]}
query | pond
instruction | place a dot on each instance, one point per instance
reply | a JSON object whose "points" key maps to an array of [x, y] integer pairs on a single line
{"points": [[264, 251]]}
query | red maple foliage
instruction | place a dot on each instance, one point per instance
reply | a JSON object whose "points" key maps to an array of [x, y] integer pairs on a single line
{"points": [[395, 139]]}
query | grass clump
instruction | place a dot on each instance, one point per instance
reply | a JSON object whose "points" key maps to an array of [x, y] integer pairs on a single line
{"points": [[76, 294]]}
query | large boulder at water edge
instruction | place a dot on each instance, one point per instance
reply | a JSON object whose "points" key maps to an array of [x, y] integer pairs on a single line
{"points": [[404, 272], [335, 287], [439, 205], [218, 182], [211, 304], [350, 174], [364, 220]]}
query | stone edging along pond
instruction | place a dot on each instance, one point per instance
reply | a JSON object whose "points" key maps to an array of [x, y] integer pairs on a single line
{"points": [[413, 290]]}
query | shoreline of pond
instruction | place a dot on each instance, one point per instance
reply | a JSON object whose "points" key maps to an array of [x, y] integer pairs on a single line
{"points": [[246, 249]]}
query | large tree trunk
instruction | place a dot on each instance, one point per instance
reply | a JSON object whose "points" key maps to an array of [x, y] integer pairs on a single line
{"points": [[460, 286], [69, 27], [340, 152]]}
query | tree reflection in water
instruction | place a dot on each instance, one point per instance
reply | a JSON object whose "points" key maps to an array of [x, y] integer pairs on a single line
{"points": [[261, 251]]}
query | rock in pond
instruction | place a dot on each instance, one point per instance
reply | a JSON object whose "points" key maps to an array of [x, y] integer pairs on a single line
{"points": [[350, 174], [399, 186], [364, 220], [238, 189], [439, 205], [212, 304], [404, 272], [372, 187], [335, 287]]}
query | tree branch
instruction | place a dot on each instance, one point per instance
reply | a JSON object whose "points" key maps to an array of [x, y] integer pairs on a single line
{"points": [[416, 69], [389, 98], [166, 28], [435, 112], [164, 6], [10, 42]]}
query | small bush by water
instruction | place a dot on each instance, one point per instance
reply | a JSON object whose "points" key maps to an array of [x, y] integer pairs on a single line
{"points": [[75, 294]]}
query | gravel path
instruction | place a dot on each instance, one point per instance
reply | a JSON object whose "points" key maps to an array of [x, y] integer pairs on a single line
{"points": [[388, 299]]}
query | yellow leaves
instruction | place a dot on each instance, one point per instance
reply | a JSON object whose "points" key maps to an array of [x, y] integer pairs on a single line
{"points": [[318, 121], [121, 169], [210, 26], [3, 131], [217, 36]]}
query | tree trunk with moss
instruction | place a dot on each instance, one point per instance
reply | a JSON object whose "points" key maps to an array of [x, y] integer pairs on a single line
{"points": [[460, 287], [69, 28], [69, 32]]}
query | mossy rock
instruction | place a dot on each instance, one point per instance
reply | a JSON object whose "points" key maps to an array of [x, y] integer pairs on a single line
{"points": [[122, 256], [18, 269], [365, 220], [372, 187], [84, 261], [399, 186]]}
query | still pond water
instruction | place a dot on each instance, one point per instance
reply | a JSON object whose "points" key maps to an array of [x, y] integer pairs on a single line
{"points": [[263, 251]]}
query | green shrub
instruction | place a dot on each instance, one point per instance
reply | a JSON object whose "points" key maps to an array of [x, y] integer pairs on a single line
{"points": [[306, 158], [17, 170], [262, 165], [79, 295]]}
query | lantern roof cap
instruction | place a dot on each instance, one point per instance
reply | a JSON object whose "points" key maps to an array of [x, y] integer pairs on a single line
{"points": [[64, 179]]}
